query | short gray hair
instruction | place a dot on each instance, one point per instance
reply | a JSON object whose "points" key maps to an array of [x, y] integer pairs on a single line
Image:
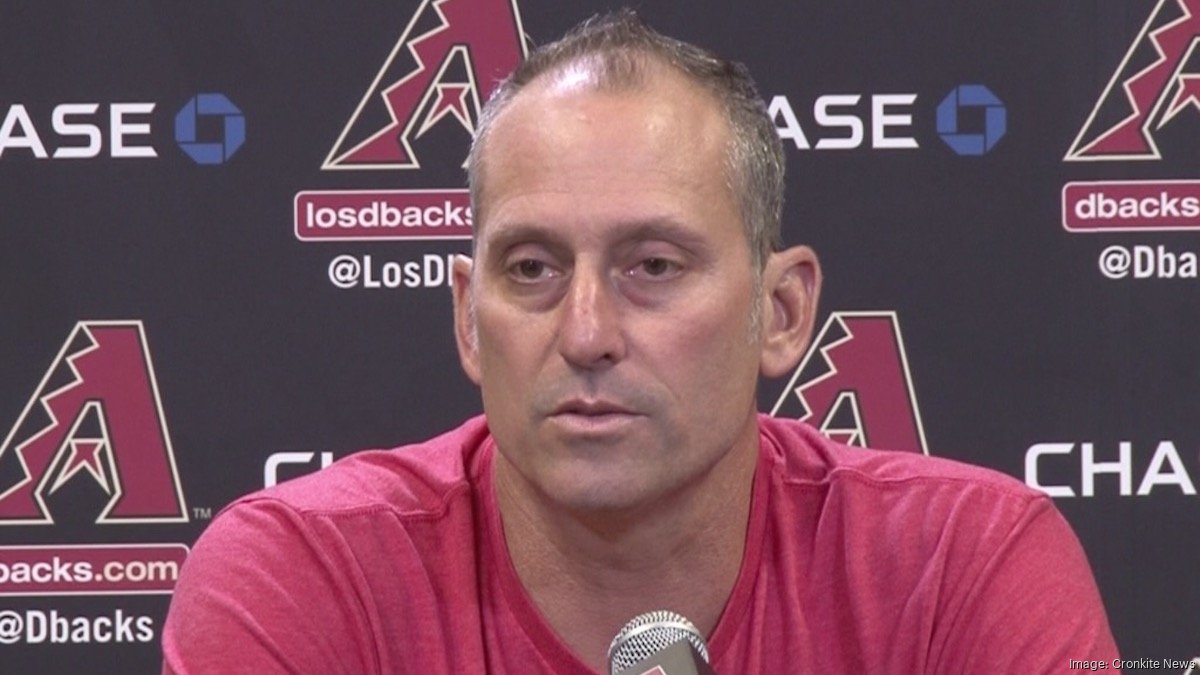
{"points": [[616, 46]]}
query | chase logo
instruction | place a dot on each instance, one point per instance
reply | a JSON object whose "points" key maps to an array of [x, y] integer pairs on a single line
{"points": [[232, 124], [970, 120], [209, 129], [962, 139]]}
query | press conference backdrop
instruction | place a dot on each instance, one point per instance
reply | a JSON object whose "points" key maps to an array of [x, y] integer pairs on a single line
{"points": [[227, 229]]}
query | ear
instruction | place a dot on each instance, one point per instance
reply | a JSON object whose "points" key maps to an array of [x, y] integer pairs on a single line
{"points": [[464, 317], [791, 286]]}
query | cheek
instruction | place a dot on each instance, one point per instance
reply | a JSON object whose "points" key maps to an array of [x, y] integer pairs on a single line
{"points": [[503, 368], [500, 350], [708, 350], [512, 348]]}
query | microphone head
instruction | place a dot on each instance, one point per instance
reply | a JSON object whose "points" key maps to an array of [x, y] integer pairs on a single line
{"points": [[649, 633]]}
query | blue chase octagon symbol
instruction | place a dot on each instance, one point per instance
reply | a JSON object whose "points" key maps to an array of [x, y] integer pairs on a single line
{"points": [[233, 128], [995, 119]]}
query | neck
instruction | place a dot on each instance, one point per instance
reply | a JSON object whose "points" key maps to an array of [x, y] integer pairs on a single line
{"points": [[590, 573]]}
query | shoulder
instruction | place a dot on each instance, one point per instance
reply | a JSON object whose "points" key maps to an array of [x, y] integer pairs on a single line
{"points": [[380, 528], [350, 505], [805, 458], [975, 549], [975, 530], [409, 480], [938, 504], [374, 507]]}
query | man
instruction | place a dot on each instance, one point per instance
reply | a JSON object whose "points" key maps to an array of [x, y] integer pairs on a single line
{"points": [[626, 290]]}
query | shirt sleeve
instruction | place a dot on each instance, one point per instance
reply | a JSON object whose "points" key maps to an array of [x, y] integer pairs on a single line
{"points": [[1032, 607], [261, 593]]}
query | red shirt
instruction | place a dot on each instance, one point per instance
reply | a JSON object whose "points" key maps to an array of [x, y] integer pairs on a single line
{"points": [[856, 561]]}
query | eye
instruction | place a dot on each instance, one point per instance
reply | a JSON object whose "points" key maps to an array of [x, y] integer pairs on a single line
{"points": [[656, 268], [531, 269], [527, 270]]}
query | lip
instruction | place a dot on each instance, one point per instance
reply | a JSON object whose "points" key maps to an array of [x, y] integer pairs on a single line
{"points": [[592, 417], [590, 408]]}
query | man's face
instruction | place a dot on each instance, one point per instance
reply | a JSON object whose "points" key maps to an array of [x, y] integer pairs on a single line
{"points": [[613, 292]]}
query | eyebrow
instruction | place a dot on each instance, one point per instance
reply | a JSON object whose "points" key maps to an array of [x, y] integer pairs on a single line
{"points": [[665, 229]]}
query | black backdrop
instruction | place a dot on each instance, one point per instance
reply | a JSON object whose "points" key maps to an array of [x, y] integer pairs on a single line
{"points": [[1005, 324]]}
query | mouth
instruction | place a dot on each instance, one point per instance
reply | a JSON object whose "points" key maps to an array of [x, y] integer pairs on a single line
{"points": [[592, 416], [590, 408]]}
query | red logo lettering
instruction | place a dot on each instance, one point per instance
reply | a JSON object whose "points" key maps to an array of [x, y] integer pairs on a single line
{"points": [[860, 391], [1142, 94], [99, 412], [473, 45]]}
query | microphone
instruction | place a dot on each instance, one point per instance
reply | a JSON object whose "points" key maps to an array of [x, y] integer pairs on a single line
{"points": [[659, 643]]}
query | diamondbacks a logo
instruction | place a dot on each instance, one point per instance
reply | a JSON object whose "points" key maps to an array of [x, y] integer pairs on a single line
{"points": [[447, 62], [471, 46], [97, 410], [859, 391], [1145, 98]]}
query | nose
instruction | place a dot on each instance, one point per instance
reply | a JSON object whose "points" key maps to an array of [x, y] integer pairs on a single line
{"points": [[590, 331]]}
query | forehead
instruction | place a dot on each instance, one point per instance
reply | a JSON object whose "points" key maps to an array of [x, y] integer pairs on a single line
{"points": [[570, 130]]}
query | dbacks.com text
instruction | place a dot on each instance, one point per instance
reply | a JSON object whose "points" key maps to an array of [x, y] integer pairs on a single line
{"points": [[57, 570]]}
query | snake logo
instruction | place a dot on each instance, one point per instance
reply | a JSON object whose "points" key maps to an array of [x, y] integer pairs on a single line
{"points": [[442, 73], [1146, 100], [97, 412], [855, 386]]}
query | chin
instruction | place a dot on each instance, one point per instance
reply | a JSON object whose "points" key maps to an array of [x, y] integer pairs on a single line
{"points": [[599, 490]]}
